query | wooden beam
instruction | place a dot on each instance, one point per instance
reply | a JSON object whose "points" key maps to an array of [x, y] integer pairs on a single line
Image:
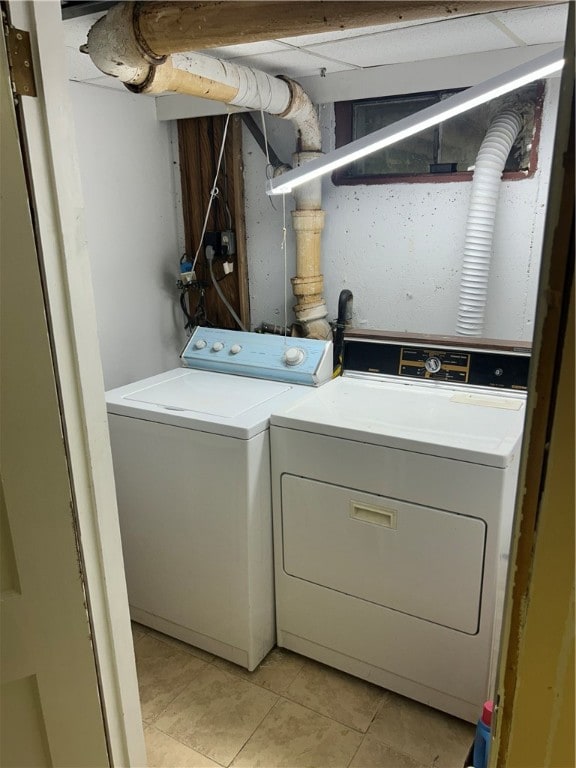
{"points": [[171, 27]]}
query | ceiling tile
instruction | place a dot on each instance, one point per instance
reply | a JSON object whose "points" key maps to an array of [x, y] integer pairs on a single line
{"points": [[246, 49], [429, 41], [110, 82], [76, 30], [293, 63], [80, 66], [537, 25], [302, 41]]}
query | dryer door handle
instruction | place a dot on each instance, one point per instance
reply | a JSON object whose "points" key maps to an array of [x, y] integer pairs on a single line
{"points": [[366, 513]]}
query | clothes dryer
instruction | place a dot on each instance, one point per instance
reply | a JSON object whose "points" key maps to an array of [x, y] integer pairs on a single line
{"points": [[393, 494]]}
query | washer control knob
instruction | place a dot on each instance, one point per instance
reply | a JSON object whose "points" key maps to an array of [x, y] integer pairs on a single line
{"points": [[217, 346], [200, 344], [293, 356], [235, 348], [433, 364]]}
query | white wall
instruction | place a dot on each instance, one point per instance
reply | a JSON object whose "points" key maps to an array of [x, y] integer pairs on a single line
{"points": [[126, 161], [398, 247]]}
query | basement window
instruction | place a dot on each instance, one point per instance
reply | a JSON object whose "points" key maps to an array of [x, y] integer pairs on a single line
{"points": [[445, 152]]}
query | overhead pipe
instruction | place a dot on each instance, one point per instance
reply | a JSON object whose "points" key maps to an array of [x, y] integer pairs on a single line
{"points": [[478, 246], [116, 46], [168, 26]]}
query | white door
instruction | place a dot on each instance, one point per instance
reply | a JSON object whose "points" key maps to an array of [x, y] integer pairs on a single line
{"points": [[50, 709]]}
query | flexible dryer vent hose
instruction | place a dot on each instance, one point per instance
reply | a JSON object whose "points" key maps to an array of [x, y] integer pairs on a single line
{"points": [[486, 184]]}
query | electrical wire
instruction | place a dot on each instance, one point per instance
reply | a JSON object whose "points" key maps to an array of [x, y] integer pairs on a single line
{"points": [[210, 259], [283, 248], [262, 117], [226, 206], [269, 166], [213, 192], [200, 316], [189, 319]]}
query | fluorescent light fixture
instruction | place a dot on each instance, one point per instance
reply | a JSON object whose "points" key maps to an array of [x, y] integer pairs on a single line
{"points": [[419, 121]]}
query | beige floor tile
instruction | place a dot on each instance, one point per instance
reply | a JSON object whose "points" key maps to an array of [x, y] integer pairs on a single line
{"points": [[427, 735], [216, 714], [163, 672], [335, 694], [165, 752], [137, 630], [292, 736], [374, 754], [198, 652], [276, 672]]}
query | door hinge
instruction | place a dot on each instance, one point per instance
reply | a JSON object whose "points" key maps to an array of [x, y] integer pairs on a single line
{"points": [[20, 61]]}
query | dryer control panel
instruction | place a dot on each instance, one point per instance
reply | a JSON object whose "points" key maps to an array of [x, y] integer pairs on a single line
{"points": [[261, 356], [451, 360]]}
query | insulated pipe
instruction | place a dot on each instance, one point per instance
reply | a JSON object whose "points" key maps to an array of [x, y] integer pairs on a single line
{"points": [[486, 185], [308, 284], [118, 49], [168, 26]]}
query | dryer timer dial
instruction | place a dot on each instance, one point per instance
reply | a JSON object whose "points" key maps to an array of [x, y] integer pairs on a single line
{"points": [[433, 364]]}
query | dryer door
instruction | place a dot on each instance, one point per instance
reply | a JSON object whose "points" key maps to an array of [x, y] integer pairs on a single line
{"points": [[421, 561]]}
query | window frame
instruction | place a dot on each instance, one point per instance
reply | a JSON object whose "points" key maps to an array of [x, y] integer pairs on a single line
{"points": [[343, 114]]}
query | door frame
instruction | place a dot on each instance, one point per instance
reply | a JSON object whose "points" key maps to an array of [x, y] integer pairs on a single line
{"points": [[534, 701], [48, 146], [57, 192]]}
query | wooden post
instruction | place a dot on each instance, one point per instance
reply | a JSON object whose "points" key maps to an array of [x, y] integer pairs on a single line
{"points": [[199, 142]]}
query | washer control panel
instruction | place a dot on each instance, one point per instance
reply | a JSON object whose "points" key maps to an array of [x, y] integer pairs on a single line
{"points": [[263, 356]]}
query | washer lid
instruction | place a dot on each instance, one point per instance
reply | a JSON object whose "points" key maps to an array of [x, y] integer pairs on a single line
{"points": [[234, 406], [212, 395], [439, 421]]}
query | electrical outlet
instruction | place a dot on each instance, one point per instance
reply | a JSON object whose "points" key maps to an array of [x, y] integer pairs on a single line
{"points": [[224, 243], [228, 242]]}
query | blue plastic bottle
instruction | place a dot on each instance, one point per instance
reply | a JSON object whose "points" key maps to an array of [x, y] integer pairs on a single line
{"points": [[482, 738]]}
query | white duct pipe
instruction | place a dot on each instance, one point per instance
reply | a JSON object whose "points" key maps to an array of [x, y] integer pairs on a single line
{"points": [[118, 50], [486, 184]]}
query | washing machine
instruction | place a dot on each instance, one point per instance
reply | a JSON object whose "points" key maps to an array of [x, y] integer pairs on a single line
{"points": [[393, 496], [191, 458]]}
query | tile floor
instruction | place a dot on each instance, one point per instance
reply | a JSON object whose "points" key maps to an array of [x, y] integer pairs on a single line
{"points": [[202, 711]]}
